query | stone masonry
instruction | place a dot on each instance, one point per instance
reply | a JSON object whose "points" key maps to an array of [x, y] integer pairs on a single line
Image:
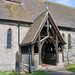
{"points": [[8, 56], [71, 52]]}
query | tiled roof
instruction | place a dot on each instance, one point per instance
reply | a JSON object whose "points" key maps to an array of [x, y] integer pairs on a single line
{"points": [[33, 29], [28, 10]]}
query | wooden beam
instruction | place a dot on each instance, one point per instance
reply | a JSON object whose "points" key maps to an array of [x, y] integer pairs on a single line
{"points": [[47, 27], [62, 46], [45, 35], [39, 47], [49, 41], [32, 55], [44, 39], [56, 47], [53, 31], [52, 39]]}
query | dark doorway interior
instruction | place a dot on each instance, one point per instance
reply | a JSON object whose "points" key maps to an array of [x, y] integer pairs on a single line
{"points": [[48, 54]]}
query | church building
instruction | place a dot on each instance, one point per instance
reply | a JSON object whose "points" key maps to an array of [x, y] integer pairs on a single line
{"points": [[32, 35]]}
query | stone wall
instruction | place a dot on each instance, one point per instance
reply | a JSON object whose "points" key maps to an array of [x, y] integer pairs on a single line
{"points": [[8, 56], [69, 55], [36, 59], [25, 62], [23, 31], [36, 63]]}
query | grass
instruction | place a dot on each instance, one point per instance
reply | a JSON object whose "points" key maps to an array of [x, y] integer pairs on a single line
{"points": [[70, 67], [8, 73], [14, 73]]}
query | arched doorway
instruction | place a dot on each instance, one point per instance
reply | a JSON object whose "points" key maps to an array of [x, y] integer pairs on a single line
{"points": [[48, 53]]}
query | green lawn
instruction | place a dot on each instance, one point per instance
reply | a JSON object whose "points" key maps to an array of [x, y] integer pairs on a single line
{"points": [[14, 73], [70, 67]]}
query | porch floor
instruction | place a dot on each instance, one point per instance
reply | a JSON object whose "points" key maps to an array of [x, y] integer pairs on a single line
{"points": [[48, 67]]}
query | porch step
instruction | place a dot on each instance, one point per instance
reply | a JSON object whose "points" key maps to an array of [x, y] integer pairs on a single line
{"points": [[52, 68]]}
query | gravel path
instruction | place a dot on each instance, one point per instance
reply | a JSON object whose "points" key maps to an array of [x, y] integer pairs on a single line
{"points": [[62, 73]]}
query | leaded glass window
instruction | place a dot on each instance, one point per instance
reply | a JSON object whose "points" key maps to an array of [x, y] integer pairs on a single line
{"points": [[63, 36], [9, 39], [69, 41]]}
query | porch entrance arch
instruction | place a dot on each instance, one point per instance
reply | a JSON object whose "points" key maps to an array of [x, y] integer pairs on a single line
{"points": [[48, 53]]}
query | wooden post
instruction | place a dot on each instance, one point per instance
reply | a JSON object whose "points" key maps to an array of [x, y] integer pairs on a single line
{"points": [[47, 28], [56, 47], [32, 55], [39, 47]]}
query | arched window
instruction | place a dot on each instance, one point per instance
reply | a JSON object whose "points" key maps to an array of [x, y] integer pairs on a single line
{"points": [[9, 38], [69, 41], [63, 36]]}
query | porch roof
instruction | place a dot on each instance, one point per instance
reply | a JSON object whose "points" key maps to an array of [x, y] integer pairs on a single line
{"points": [[36, 28]]}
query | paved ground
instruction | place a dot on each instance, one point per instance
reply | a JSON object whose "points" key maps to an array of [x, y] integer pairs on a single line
{"points": [[56, 70], [62, 73]]}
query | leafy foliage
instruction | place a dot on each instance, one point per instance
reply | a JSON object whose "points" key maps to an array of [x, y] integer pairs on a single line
{"points": [[70, 67]]}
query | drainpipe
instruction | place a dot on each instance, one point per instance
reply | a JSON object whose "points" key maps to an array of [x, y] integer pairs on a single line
{"points": [[29, 57], [18, 33]]}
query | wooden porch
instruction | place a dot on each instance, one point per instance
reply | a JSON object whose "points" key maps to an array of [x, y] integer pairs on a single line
{"points": [[45, 40]]}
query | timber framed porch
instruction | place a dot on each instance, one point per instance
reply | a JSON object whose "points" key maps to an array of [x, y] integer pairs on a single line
{"points": [[45, 40]]}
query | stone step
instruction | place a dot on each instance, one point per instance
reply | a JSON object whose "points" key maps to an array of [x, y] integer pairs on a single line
{"points": [[53, 68]]}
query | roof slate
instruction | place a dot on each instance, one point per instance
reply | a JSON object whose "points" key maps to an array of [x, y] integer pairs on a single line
{"points": [[33, 29], [28, 10]]}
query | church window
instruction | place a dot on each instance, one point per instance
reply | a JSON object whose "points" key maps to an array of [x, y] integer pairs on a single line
{"points": [[9, 39], [63, 36], [69, 41]]}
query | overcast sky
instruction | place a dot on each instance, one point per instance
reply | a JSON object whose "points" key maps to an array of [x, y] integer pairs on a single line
{"points": [[70, 3]]}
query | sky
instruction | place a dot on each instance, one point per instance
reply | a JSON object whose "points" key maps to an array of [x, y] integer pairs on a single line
{"points": [[70, 3]]}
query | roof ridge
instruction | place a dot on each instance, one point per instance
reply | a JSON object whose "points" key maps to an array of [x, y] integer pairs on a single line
{"points": [[39, 15]]}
